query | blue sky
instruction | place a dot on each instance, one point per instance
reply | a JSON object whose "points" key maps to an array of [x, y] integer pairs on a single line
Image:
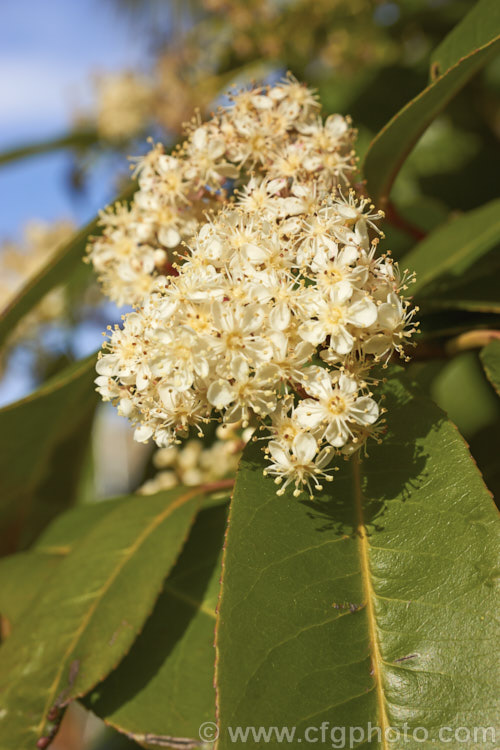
{"points": [[49, 50]]}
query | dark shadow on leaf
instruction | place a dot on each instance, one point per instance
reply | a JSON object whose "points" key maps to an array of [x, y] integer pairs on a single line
{"points": [[170, 617]]}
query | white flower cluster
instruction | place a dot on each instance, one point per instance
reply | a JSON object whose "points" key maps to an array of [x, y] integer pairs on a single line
{"points": [[273, 133], [278, 309]]}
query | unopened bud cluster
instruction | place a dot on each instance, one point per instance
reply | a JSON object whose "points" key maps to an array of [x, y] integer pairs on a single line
{"points": [[194, 463], [280, 304]]}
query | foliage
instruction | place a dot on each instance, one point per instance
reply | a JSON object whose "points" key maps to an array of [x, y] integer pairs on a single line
{"points": [[374, 602]]}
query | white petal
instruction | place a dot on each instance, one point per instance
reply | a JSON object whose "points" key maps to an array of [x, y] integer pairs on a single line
{"points": [[389, 316], [305, 447], [348, 255], [280, 316], [107, 365], [341, 341], [201, 366], [324, 458], [309, 414], [317, 382], [366, 410], [239, 369], [182, 379], [168, 236], [363, 313], [341, 292], [143, 377], [377, 345], [221, 394], [252, 318], [278, 453], [143, 433], [336, 434], [280, 343], [268, 375], [312, 331], [347, 385], [254, 253]]}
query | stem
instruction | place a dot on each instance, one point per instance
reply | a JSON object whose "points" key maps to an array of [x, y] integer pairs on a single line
{"points": [[461, 343], [471, 340], [221, 484]]}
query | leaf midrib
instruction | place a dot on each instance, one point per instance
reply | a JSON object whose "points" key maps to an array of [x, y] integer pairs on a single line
{"points": [[369, 596], [157, 520]]}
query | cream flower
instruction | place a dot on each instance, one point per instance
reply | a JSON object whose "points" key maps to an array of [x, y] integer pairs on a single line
{"points": [[248, 292], [337, 316], [299, 464], [336, 405]]}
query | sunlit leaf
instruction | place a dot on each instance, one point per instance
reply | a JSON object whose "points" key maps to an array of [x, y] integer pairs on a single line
{"points": [[373, 604], [25, 576], [479, 27], [84, 625]]}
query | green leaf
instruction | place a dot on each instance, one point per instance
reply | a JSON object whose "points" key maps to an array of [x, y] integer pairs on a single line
{"points": [[490, 357], [479, 27], [444, 324], [475, 291], [374, 603], [77, 139], [395, 141], [164, 686], [38, 435], [462, 391], [82, 627], [57, 271], [68, 528], [26, 575], [454, 248]]}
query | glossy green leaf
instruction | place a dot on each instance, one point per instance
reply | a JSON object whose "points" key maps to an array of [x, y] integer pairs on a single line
{"points": [[479, 27], [374, 603], [47, 428], [490, 357], [462, 391], [395, 141], [82, 627], [57, 271], [77, 139], [475, 291], [454, 248], [164, 686], [69, 527], [23, 577]]}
